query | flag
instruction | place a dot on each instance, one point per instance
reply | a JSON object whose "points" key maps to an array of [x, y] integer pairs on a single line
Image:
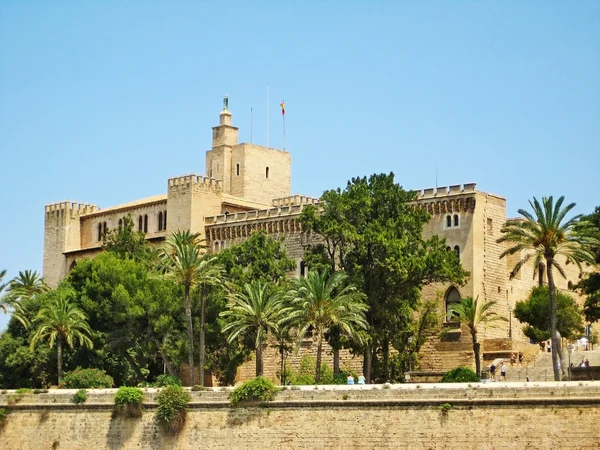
{"points": [[282, 108]]}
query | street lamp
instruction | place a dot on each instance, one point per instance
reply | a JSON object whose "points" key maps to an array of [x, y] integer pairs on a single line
{"points": [[509, 321], [570, 350]]}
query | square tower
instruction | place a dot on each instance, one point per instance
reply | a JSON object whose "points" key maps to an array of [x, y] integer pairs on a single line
{"points": [[248, 171]]}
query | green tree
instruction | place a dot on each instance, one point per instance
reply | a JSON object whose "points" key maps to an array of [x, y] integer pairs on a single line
{"points": [[256, 310], [536, 312], [472, 314], [125, 242], [590, 284], [182, 260], [544, 236], [61, 321], [321, 301], [373, 231]]}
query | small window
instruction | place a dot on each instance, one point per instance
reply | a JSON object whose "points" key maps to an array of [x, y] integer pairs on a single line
{"points": [[448, 249], [104, 228], [237, 170], [570, 286], [267, 173], [457, 251], [120, 224], [160, 221], [455, 220], [164, 220], [99, 231], [499, 289], [216, 247], [140, 223], [448, 221], [145, 223], [302, 269], [490, 229]]}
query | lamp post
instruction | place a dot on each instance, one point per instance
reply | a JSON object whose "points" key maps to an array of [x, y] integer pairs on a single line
{"points": [[509, 321], [570, 349]]}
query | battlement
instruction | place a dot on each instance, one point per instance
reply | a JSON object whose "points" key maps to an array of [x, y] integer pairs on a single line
{"points": [[270, 213], [74, 208], [295, 200], [443, 191], [192, 179]]}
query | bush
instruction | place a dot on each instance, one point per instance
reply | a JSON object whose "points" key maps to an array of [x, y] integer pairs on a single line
{"points": [[259, 389], [79, 397], [172, 402], [24, 391], [3, 415], [128, 400], [460, 375], [306, 373], [87, 379], [167, 380]]}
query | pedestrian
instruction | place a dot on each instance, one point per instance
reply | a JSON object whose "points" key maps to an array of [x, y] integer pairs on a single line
{"points": [[520, 359], [513, 359], [586, 363], [350, 379], [493, 372], [503, 371], [361, 379]]}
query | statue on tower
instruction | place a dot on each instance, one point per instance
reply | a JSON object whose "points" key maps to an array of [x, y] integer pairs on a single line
{"points": [[225, 103]]}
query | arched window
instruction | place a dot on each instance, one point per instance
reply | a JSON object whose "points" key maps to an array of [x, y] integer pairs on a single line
{"points": [[140, 223], [457, 251], [120, 223], [448, 249], [145, 223], [455, 220], [104, 228], [302, 269], [160, 221], [99, 231], [164, 220], [267, 173], [452, 297], [216, 247], [237, 169], [448, 221]]}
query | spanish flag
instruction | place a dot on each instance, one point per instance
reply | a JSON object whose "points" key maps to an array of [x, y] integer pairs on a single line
{"points": [[282, 108]]}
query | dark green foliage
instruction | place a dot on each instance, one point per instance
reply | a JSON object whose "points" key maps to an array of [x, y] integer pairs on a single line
{"points": [[126, 243], [87, 379], [536, 313], [259, 389], [590, 285], [460, 375], [79, 397], [167, 380], [24, 391], [172, 403], [128, 401], [3, 415]]}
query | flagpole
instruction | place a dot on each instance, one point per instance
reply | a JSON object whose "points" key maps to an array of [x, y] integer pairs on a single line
{"points": [[283, 131], [267, 113]]}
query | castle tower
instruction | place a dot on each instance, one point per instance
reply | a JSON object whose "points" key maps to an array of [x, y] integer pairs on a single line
{"points": [[247, 171]]}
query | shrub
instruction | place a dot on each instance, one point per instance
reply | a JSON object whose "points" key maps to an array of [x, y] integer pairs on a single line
{"points": [[24, 391], [3, 414], [128, 400], [259, 389], [167, 380], [460, 375], [79, 397], [40, 391], [445, 407], [172, 402], [87, 379], [306, 373]]}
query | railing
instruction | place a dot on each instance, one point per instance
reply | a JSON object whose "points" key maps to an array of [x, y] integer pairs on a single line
{"points": [[545, 373]]}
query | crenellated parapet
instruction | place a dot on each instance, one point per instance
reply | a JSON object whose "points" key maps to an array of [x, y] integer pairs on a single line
{"points": [[444, 191], [295, 200], [72, 209], [447, 199], [195, 180]]}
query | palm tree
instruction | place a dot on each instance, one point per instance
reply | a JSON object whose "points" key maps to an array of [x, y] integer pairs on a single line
{"points": [[182, 259], [322, 301], [470, 313], [209, 274], [3, 285], [257, 309], [545, 235], [27, 285], [61, 321]]}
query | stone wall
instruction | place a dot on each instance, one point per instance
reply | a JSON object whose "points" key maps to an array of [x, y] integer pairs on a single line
{"points": [[486, 416]]}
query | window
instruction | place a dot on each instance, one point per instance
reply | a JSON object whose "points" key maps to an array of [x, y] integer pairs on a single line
{"points": [[216, 247], [140, 223], [570, 286], [145, 223], [160, 221], [302, 269], [455, 220], [448, 221], [267, 173], [210, 173], [457, 251], [120, 224], [104, 228], [452, 297], [448, 249], [164, 220], [237, 169], [490, 229], [99, 231]]}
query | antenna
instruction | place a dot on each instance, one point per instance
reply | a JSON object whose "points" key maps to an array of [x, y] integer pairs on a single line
{"points": [[267, 112]]}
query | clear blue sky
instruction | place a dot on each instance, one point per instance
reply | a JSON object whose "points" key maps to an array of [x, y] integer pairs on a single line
{"points": [[101, 102]]}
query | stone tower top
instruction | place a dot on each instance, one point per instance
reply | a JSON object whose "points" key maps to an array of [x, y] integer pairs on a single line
{"points": [[225, 134]]}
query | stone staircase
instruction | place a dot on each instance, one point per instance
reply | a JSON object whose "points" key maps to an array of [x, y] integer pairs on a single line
{"points": [[540, 368]]}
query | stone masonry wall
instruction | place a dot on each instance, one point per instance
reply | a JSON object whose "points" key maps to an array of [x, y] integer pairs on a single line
{"points": [[510, 416]]}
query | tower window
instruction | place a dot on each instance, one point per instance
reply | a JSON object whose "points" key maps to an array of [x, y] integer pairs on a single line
{"points": [[145, 223], [302, 268], [164, 220], [237, 170], [160, 221], [490, 229], [267, 173], [99, 231], [140, 223], [448, 221], [457, 251], [455, 220], [120, 223]]}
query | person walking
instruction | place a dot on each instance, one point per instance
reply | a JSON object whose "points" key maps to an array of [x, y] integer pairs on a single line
{"points": [[493, 372], [502, 371]]}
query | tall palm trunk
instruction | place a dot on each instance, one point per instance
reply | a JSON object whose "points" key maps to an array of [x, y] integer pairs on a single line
{"points": [[202, 335], [259, 365], [553, 319], [476, 352], [319, 348], [59, 357], [367, 364], [190, 331]]}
